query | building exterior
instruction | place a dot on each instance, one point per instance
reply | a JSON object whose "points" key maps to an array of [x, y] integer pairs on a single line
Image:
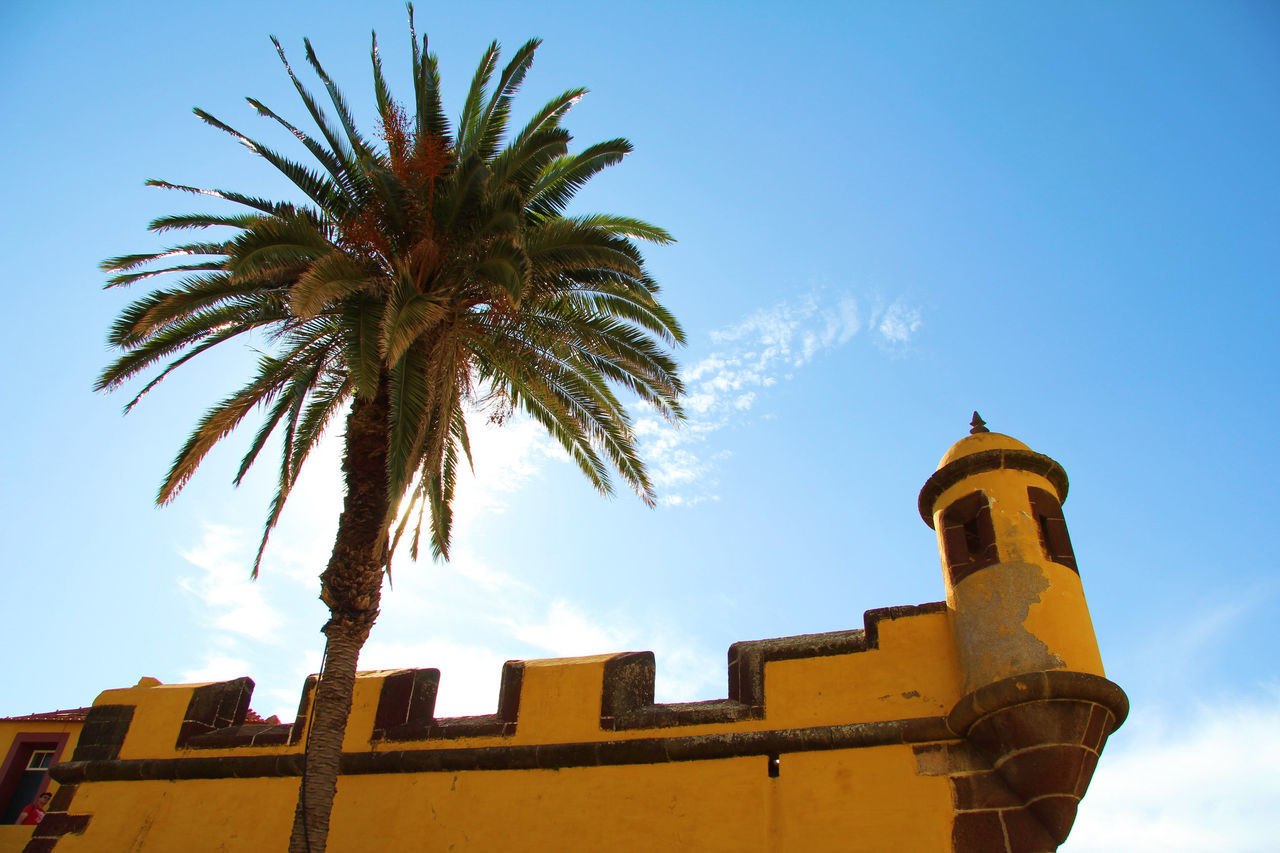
{"points": [[30, 746], [970, 725]]}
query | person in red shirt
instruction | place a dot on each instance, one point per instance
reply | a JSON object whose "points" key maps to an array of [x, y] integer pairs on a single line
{"points": [[34, 812]]}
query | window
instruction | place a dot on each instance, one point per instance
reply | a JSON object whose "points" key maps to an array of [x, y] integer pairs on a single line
{"points": [[968, 538], [1054, 539], [25, 771]]}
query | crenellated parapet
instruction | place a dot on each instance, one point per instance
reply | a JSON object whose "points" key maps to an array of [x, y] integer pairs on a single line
{"points": [[971, 725], [156, 731]]}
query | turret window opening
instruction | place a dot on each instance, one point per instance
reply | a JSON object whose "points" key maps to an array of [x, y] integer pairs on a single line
{"points": [[1054, 539], [969, 540], [972, 539]]}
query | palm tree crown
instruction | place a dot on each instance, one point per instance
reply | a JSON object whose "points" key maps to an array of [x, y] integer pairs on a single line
{"points": [[429, 272]]}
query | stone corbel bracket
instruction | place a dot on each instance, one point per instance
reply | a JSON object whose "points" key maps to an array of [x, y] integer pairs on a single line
{"points": [[1036, 738]]}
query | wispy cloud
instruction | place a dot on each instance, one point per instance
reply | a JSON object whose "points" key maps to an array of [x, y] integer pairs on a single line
{"points": [[236, 604], [792, 332], [898, 324], [1205, 783], [564, 630], [748, 358]]}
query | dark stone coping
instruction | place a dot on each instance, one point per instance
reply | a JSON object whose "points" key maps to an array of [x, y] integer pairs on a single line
{"points": [[56, 825], [103, 733], [252, 734], [553, 756], [218, 707], [627, 696], [989, 460], [1035, 687], [215, 718], [406, 708]]}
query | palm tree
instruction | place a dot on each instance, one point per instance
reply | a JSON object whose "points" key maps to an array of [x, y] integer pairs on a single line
{"points": [[431, 274]]}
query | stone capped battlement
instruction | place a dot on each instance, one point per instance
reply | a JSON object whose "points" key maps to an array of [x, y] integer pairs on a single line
{"points": [[803, 680]]}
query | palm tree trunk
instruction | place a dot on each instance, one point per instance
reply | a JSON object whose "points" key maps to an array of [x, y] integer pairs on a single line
{"points": [[351, 586]]}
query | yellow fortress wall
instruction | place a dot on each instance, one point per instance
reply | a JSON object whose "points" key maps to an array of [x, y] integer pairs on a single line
{"points": [[970, 725]]}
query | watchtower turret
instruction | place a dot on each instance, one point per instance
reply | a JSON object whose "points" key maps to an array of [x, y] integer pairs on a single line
{"points": [[1012, 583], [1036, 706]]}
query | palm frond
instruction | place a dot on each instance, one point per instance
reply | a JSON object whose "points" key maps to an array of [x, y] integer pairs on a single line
{"points": [[318, 189], [362, 334], [410, 404], [562, 179], [218, 422], [431, 120], [492, 124], [273, 208], [200, 220], [326, 282], [469, 125], [346, 176], [336, 143], [290, 404], [354, 137], [328, 398]]}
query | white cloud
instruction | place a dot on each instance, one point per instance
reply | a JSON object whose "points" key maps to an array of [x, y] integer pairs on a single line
{"points": [[1196, 785], [790, 333], [899, 323], [224, 585], [751, 356], [566, 631]]}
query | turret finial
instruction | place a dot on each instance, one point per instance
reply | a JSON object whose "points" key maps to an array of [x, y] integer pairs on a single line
{"points": [[978, 425]]}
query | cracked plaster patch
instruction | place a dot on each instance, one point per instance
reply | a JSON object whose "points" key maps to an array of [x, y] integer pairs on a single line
{"points": [[991, 613]]}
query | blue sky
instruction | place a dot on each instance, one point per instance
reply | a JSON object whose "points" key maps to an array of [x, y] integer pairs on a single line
{"points": [[888, 215]]}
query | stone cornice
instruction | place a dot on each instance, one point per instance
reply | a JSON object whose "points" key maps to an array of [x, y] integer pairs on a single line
{"points": [[989, 460]]}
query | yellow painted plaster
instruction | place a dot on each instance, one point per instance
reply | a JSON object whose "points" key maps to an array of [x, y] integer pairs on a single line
{"points": [[870, 801], [364, 708], [9, 729], [14, 838], [1062, 618], [157, 717], [914, 673], [977, 442], [192, 816], [560, 700]]}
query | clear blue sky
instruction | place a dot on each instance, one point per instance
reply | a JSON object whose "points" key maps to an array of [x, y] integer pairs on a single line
{"points": [[1064, 215]]}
